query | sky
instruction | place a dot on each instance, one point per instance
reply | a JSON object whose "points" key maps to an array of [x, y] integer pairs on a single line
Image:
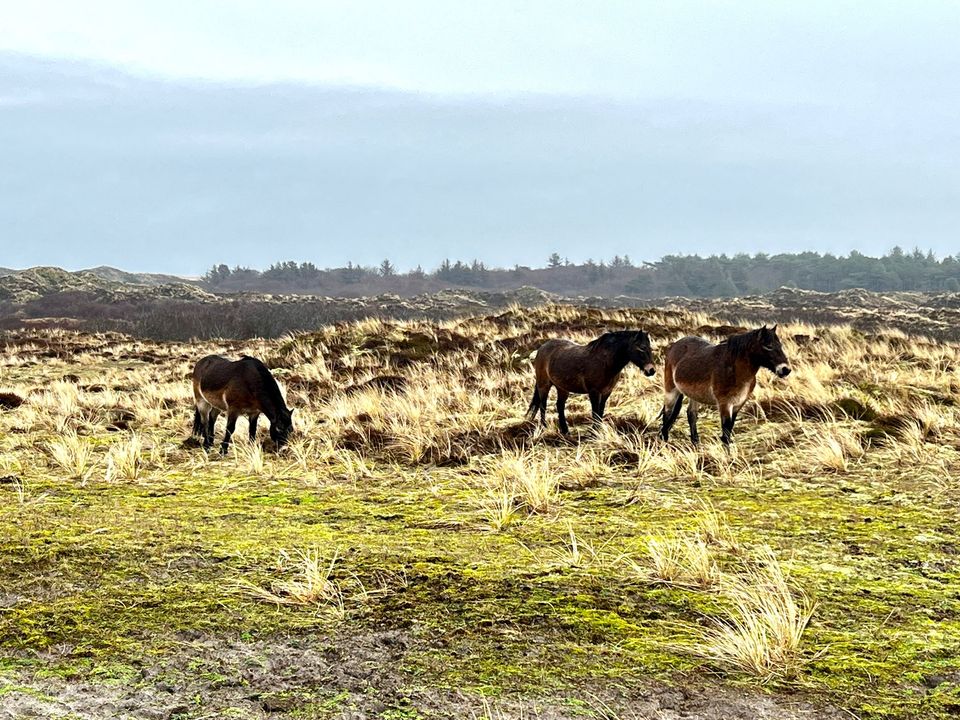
{"points": [[168, 136]]}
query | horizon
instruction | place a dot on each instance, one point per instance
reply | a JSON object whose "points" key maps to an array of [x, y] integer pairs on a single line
{"points": [[608, 261]]}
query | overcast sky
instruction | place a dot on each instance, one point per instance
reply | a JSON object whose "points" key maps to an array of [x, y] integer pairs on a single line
{"points": [[170, 135]]}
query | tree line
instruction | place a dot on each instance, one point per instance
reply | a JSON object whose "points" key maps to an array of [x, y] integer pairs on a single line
{"points": [[686, 275]]}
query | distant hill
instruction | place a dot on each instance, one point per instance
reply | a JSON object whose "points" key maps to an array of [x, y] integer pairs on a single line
{"points": [[24, 286], [105, 272]]}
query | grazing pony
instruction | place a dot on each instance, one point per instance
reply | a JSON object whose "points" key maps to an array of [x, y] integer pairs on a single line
{"points": [[593, 369], [244, 387], [723, 375]]}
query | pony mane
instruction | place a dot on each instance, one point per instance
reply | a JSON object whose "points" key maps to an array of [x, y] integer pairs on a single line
{"points": [[740, 344], [269, 382], [614, 338]]}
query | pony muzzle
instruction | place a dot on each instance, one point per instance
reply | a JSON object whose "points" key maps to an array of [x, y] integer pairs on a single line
{"points": [[649, 369], [782, 370]]}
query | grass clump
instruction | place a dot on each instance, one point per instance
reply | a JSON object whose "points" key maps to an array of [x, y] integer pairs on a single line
{"points": [[534, 481], [768, 618], [498, 509], [310, 581], [72, 454], [125, 459], [679, 560]]}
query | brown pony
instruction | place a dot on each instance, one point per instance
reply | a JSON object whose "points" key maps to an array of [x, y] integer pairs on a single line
{"points": [[244, 387], [723, 375], [593, 369]]}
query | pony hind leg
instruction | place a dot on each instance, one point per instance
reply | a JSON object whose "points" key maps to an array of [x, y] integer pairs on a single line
{"points": [[253, 427], [204, 419], [197, 431], [543, 393], [231, 426], [562, 396], [671, 410], [693, 408], [211, 422], [534, 405]]}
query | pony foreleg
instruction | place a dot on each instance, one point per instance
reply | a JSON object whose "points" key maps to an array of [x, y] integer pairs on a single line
{"points": [[603, 404], [596, 410], [253, 427], [692, 408], [728, 416]]}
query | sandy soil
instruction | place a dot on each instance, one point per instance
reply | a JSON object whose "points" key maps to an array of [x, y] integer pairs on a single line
{"points": [[354, 677]]}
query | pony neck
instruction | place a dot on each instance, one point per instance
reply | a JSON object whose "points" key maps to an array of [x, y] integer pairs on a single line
{"points": [[621, 358], [745, 353], [273, 405], [750, 359]]}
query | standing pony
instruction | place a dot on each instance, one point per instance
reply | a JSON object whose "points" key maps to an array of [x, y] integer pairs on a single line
{"points": [[244, 387], [723, 375], [593, 369]]}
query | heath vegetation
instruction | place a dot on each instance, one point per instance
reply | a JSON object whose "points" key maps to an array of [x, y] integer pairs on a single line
{"points": [[417, 540]]}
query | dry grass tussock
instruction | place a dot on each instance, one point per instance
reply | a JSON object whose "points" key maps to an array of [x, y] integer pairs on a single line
{"points": [[679, 560], [532, 482], [73, 454], [833, 448], [125, 460], [309, 579], [763, 633], [687, 558], [766, 614], [573, 551]]}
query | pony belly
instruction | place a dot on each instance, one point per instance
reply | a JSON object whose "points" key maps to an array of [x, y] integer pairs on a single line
{"points": [[701, 393], [219, 402]]}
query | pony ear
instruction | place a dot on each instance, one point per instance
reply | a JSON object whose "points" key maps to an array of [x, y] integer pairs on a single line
{"points": [[774, 328]]}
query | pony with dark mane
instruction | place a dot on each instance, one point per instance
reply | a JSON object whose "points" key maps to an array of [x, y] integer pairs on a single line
{"points": [[593, 369], [723, 375], [243, 387]]}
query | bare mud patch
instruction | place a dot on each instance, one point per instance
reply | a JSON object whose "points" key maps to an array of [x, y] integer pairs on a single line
{"points": [[355, 676]]}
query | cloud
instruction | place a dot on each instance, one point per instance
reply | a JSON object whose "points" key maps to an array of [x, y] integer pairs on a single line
{"points": [[110, 168]]}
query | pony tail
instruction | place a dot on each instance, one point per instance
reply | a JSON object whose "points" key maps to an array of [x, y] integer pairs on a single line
{"points": [[535, 403]]}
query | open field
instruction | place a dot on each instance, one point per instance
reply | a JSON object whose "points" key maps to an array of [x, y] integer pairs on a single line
{"points": [[419, 550]]}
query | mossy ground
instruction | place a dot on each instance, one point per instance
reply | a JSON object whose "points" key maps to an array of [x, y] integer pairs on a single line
{"points": [[101, 577]]}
